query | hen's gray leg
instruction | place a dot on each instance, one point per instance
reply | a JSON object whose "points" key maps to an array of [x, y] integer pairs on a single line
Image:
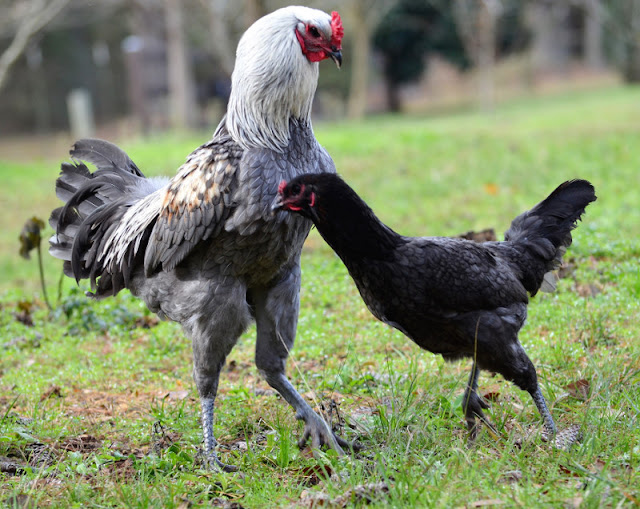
{"points": [[276, 314], [549, 425], [224, 317], [523, 374], [472, 403]]}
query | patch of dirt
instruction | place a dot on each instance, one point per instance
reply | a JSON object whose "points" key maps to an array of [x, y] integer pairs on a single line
{"points": [[102, 406], [312, 475], [82, 443], [120, 470]]}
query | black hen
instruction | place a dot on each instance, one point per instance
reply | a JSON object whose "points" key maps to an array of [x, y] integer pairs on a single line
{"points": [[453, 297]]}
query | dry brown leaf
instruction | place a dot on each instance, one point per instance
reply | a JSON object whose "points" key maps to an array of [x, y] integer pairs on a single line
{"points": [[177, 395], [579, 389], [491, 189], [53, 391]]}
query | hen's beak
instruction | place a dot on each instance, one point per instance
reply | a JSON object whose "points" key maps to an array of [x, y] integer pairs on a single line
{"points": [[277, 204], [336, 56]]}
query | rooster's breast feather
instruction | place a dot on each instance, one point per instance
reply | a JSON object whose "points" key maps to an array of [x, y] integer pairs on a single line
{"points": [[196, 203]]}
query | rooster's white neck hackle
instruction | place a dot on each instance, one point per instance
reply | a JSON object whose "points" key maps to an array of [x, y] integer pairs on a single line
{"points": [[272, 82]]}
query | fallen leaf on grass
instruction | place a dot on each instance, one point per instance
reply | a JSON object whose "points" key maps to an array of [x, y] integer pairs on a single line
{"points": [[588, 290], [579, 389], [8, 466], [486, 235], [225, 504], [312, 475], [513, 476], [81, 443], [491, 188], [146, 321], [353, 497], [177, 395], [184, 503], [21, 501], [487, 502], [567, 269], [53, 391]]}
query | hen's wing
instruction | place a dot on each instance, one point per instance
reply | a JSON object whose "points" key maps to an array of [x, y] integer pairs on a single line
{"points": [[463, 275], [196, 203]]}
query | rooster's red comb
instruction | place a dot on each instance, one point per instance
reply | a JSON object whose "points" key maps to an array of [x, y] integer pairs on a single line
{"points": [[281, 186], [336, 30]]}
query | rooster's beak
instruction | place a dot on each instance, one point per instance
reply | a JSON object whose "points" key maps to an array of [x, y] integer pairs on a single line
{"points": [[336, 56]]}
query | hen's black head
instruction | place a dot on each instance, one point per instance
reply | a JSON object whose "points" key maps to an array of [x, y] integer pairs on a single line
{"points": [[301, 194]]}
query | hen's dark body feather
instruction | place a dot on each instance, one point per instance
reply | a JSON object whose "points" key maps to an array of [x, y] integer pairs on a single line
{"points": [[452, 297]]}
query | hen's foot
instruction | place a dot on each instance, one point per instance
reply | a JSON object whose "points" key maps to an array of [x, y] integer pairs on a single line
{"points": [[472, 405], [563, 439]]}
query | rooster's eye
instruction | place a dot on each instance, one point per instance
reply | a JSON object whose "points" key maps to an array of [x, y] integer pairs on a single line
{"points": [[296, 189], [314, 31]]}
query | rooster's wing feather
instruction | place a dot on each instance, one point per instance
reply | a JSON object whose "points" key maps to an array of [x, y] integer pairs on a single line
{"points": [[196, 204]]}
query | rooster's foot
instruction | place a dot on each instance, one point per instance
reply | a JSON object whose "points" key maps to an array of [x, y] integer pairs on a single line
{"points": [[320, 433], [210, 461]]}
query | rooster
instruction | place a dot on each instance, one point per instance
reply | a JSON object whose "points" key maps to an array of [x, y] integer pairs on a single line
{"points": [[453, 297], [203, 249]]}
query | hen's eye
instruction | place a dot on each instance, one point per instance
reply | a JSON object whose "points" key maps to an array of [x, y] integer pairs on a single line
{"points": [[296, 189], [314, 31]]}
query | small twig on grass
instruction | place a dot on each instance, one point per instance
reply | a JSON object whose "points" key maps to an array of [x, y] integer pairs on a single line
{"points": [[42, 281]]}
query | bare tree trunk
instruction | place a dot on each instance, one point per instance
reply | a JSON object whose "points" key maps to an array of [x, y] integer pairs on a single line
{"points": [[365, 15], [486, 55], [631, 68], [593, 33], [476, 22], [38, 85], [181, 100], [220, 37], [550, 47], [254, 10], [360, 54], [39, 13], [393, 96]]}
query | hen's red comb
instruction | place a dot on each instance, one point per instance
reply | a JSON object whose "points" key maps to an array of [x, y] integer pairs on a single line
{"points": [[336, 30], [281, 186]]}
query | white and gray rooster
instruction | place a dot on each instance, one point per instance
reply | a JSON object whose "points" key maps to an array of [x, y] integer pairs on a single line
{"points": [[203, 248]]}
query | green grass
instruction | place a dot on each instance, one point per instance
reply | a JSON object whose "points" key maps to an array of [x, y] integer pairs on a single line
{"points": [[89, 382]]}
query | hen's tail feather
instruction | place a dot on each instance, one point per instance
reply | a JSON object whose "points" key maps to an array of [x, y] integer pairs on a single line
{"points": [[94, 205], [544, 232]]}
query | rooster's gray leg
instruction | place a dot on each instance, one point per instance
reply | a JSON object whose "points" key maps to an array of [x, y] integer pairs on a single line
{"points": [[276, 314], [224, 316], [210, 443], [472, 404]]}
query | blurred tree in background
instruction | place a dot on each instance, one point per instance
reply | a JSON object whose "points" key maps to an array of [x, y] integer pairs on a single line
{"points": [[167, 63], [464, 32], [623, 23]]}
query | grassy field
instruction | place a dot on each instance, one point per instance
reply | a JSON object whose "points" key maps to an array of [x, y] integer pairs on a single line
{"points": [[98, 407]]}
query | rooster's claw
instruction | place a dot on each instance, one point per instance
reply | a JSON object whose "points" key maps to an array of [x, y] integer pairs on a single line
{"points": [[320, 434]]}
